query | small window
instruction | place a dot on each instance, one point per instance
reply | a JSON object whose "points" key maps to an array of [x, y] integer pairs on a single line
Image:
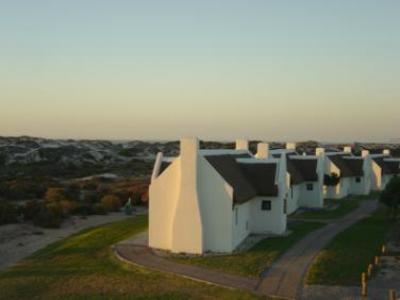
{"points": [[266, 205], [358, 179], [310, 187]]}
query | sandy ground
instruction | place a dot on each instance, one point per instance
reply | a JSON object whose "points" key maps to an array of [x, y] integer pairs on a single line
{"points": [[18, 241]]}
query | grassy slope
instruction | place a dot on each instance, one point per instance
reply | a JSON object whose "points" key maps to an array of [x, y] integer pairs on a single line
{"points": [[83, 267], [349, 253], [257, 259], [344, 206]]}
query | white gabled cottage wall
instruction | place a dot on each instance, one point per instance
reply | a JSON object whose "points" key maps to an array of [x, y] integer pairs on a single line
{"points": [[191, 206], [311, 198], [339, 191], [378, 179], [163, 194]]}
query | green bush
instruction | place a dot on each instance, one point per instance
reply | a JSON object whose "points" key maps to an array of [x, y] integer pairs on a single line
{"points": [[47, 219], [111, 203], [99, 209], [331, 180], [8, 213], [31, 209], [83, 209]]}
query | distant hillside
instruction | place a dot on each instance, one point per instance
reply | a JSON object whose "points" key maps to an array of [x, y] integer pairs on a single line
{"points": [[30, 156]]}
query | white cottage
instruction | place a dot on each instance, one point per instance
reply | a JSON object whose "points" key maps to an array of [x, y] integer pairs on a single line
{"points": [[384, 168], [306, 175], [354, 173], [211, 200]]}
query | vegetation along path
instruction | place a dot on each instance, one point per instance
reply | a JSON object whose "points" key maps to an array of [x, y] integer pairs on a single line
{"points": [[286, 276]]}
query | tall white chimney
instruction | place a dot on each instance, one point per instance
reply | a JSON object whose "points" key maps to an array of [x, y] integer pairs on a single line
{"points": [[157, 166], [347, 149], [291, 146], [242, 144], [386, 151], [262, 150], [364, 153], [319, 151]]}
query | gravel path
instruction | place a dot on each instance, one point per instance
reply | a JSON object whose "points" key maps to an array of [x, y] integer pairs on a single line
{"points": [[285, 278], [18, 241]]}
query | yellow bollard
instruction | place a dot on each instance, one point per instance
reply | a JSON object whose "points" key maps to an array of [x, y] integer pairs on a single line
{"points": [[392, 295], [384, 249], [364, 290], [364, 284], [370, 268], [376, 261]]}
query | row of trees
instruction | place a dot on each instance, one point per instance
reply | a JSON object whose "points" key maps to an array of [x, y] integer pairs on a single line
{"points": [[390, 196]]}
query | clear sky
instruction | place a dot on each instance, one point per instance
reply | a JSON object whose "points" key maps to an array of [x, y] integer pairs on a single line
{"points": [[273, 70]]}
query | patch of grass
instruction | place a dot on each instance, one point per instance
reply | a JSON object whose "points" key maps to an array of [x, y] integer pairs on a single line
{"points": [[343, 207], [83, 266], [261, 256], [349, 253]]}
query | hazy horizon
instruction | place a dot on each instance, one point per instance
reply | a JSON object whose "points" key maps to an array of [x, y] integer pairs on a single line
{"points": [[219, 70]]}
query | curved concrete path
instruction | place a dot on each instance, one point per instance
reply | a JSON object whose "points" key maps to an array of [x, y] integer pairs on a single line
{"points": [[285, 278], [144, 256]]}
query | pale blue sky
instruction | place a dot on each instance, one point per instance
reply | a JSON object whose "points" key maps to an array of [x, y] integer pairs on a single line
{"points": [[273, 70]]}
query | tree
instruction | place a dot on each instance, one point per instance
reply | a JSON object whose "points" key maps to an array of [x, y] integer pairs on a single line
{"points": [[390, 196], [55, 195], [331, 180], [111, 203]]}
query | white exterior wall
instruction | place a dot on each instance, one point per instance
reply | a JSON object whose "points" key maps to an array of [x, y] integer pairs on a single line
{"points": [[216, 209], [376, 177], [240, 220], [268, 221], [312, 198], [339, 191], [293, 198], [163, 194], [364, 186]]}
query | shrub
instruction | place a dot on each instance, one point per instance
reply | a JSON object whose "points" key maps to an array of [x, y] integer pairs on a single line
{"points": [[99, 209], [68, 207], [83, 209], [55, 194], [55, 208], [331, 180], [390, 196], [8, 213], [31, 209], [47, 219], [111, 203]]}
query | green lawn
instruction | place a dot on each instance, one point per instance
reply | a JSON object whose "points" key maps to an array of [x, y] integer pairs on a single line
{"points": [[349, 253], [344, 206], [83, 267], [253, 262]]}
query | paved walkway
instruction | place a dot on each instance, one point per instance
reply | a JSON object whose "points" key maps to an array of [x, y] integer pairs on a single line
{"points": [[143, 256], [285, 278]]}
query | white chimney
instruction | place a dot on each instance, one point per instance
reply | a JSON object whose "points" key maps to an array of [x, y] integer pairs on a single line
{"points": [[262, 150], [291, 146], [364, 153], [242, 144], [386, 152], [319, 151], [347, 149], [157, 166]]}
